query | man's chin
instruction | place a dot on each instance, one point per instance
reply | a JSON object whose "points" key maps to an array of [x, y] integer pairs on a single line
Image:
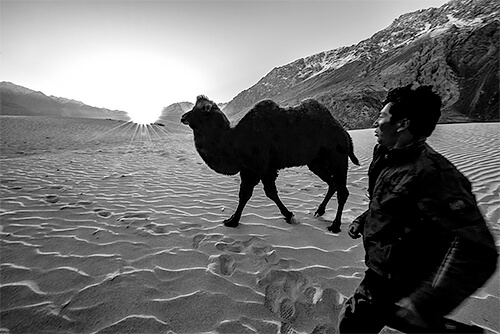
{"points": [[382, 143]]}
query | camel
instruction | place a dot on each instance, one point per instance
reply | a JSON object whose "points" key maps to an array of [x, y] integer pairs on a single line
{"points": [[269, 138]]}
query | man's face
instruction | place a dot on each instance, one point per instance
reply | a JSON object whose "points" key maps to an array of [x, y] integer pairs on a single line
{"points": [[386, 132]]}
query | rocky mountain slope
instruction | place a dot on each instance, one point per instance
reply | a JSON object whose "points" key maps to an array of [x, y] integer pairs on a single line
{"points": [[454, 48], [21, 101], [171, 115]]}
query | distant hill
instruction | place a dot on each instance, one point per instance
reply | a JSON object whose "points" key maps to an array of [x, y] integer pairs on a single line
{"points": [[454, 48], [171, 115], [21, 101]]}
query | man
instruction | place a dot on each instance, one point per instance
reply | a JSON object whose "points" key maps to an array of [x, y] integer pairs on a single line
{"points": [[427, 245]]}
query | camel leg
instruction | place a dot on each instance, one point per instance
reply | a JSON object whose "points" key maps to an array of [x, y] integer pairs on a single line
{"points": [[331, 191], [248, 181], [342, 195], [336, 182], [270, 189], [319, 168]]}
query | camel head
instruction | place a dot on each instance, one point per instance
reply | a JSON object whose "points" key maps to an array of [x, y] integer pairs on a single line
{"points": [[205, 115]]}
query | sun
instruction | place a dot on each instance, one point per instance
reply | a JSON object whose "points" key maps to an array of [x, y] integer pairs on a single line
{"points": [[139, 82], [143, 118]]}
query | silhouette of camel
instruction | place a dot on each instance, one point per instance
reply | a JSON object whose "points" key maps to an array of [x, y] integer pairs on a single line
{"points": [[269, 138]]}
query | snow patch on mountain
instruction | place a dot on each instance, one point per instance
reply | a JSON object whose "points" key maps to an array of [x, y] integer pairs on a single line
{"points": [[402, 32]]}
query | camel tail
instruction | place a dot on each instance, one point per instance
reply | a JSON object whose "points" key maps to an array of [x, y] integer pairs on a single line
{"points": [[353, 157]]}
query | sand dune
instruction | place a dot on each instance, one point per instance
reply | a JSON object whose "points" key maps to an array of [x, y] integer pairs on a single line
{"points": [[107, 227]]}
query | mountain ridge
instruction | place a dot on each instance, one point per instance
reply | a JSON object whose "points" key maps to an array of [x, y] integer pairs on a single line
{"points": [[17, 100], [418, 47], [454, 48]]}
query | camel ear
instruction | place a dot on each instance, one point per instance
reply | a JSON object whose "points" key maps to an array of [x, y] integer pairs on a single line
{"points": [[207, 107]]}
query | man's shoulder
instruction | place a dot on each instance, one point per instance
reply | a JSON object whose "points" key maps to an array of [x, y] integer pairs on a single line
{"points": [[434, 166], [433, 160]]}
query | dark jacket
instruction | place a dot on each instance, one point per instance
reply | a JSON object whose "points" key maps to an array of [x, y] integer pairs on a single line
{"points": [[423, 229]]}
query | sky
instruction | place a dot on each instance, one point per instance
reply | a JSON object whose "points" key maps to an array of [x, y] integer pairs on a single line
{"points": [[141, 56]]}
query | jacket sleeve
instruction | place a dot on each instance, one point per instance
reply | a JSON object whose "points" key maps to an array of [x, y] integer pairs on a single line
{"points": [[360, 220], [446, 201]]}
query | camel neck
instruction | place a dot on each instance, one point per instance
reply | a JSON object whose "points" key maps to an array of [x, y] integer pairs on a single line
{"points": [[214, 145]]}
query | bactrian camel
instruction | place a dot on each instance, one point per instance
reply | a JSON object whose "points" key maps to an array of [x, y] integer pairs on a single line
{"points": [[269, 138]]}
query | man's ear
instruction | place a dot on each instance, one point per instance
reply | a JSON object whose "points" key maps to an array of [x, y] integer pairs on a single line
{"points": [[403, 124]]}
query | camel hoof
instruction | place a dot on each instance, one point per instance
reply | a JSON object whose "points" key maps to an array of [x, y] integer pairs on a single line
{"points": [[292, 220], [231, 223], [320, 212], [334, 228]]}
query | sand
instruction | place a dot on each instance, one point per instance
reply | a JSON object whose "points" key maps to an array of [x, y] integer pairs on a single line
{"points": [[110, 227]]}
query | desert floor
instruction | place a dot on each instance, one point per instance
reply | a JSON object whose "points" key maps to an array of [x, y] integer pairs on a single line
{"points": [[110, 227]]}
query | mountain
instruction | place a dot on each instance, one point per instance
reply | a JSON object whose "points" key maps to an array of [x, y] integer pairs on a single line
{"points": [[171, 115], [21, 101], [454, 48]]}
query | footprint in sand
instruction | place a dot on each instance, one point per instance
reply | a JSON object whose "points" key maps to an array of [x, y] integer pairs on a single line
{"points": [[103, 213], [222, 264], [197, 239], [52, 198], [287, 310], [236, 246], [300, 304], [155, 228], [254, 254]]}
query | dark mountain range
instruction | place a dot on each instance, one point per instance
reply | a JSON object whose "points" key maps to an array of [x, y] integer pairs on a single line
{"points": [[20, 101], [454, 48]]}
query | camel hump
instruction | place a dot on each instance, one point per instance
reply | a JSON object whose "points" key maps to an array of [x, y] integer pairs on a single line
{"points": [[265, 105], [309, 106], [312, 103], [315, 108], [268, 105]]}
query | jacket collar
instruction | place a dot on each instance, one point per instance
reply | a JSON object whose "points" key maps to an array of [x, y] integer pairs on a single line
{"points": [[402, 154], [408, 152]]}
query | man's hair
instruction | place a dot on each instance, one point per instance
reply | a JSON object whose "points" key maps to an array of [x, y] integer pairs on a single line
{"points": [[421, 106]]}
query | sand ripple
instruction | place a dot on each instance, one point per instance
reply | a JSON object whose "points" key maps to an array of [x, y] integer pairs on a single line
{"points": [[111, 233]]}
